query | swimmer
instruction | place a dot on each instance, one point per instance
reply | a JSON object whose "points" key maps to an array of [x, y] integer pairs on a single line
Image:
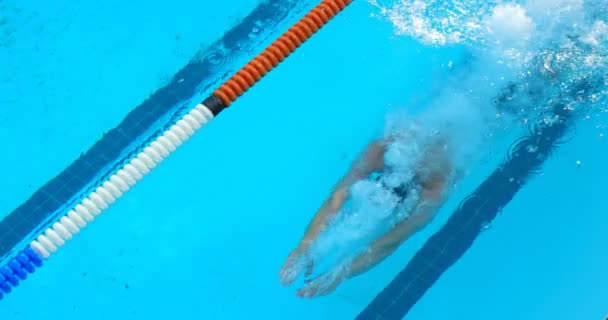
{"points": [[432, 175]]}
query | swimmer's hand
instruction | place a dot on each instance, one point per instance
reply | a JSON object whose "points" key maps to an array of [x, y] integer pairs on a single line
{"points": [[323, 284], [297, 263]]}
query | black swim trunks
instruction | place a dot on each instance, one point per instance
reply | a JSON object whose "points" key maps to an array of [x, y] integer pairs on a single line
{"points": [[402, 190]]}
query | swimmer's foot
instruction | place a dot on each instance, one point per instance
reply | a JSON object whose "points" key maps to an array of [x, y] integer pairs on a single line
{"points": [[297, 263], [323, 284]]}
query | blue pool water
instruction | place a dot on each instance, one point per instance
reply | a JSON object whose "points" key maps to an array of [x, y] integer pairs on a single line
{"points": [[205, 235]]}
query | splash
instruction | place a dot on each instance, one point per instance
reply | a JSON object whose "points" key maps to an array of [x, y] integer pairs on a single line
{"points": [[436, 22], [514, 46], [513, 28]]}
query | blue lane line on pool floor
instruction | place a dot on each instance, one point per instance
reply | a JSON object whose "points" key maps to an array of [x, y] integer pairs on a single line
{"points": [[478, 210], [67, 186]]}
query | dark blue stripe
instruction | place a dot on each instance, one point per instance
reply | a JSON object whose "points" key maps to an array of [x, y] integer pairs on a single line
{"points": [[478, 210], [202, 71]]}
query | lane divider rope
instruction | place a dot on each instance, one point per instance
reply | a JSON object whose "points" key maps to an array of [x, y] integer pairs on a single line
{"points": [[118, 184], [53, 238], [25, 262], [279, 50]]}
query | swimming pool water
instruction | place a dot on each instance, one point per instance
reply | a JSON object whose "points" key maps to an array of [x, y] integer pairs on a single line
{"points": [[205, 235], [72, 52]]}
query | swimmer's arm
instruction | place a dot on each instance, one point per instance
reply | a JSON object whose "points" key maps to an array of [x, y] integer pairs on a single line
{"points": [[371, 160], [387, 244]]}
